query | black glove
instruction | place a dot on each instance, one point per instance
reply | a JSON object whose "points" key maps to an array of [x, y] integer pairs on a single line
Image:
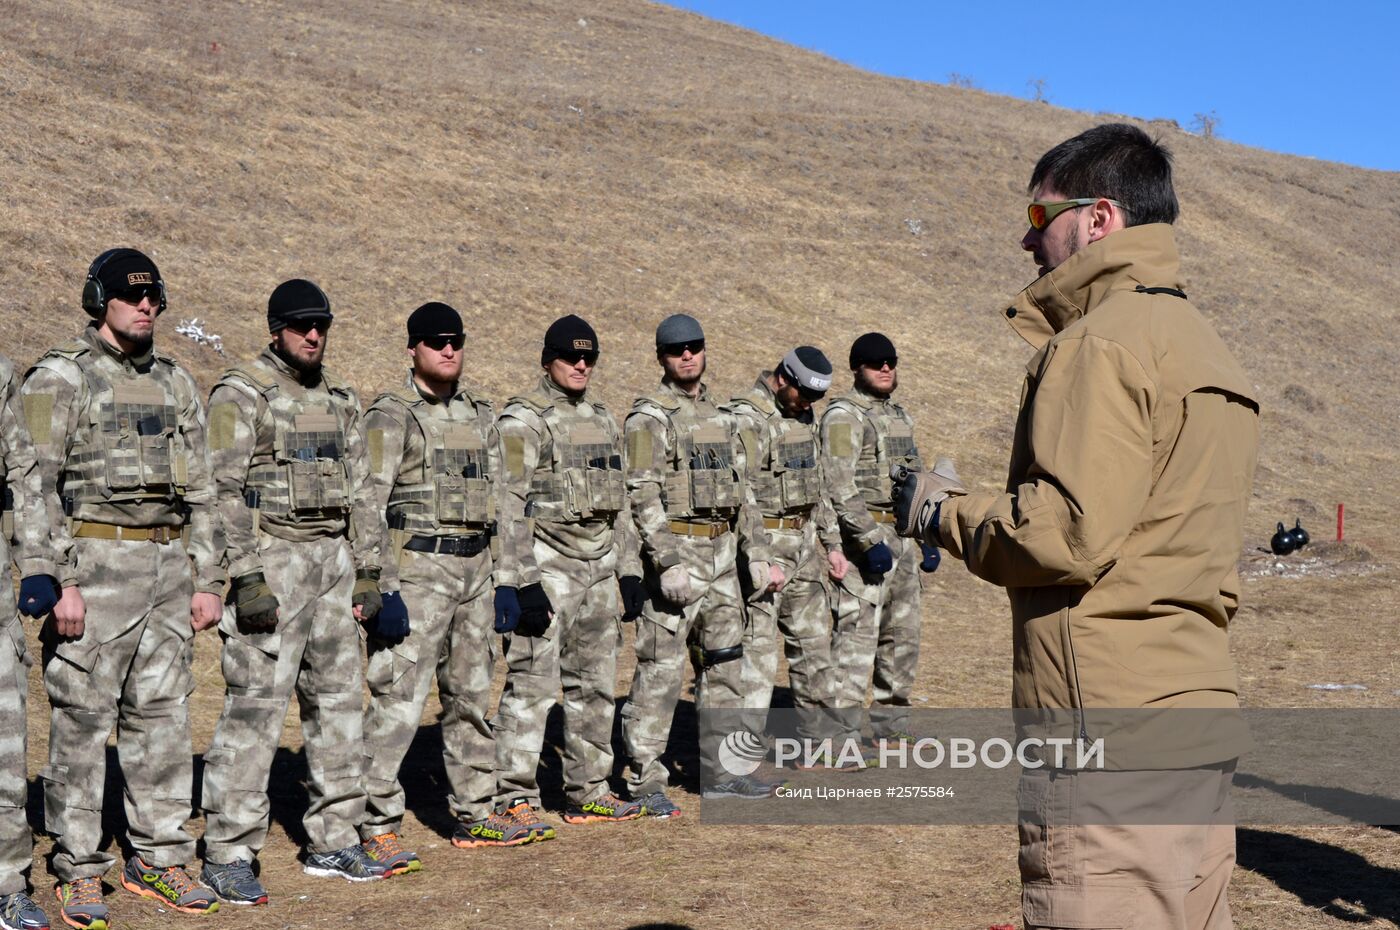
{"points": [[254, 604], [365, 594], [535, 609], [931, 557], [507, 610], [392, 622], [634, 597], [878, 560], [37, 595]]}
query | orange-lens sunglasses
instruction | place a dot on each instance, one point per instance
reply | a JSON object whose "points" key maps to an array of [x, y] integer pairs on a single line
{"points": [[1041, 212]]}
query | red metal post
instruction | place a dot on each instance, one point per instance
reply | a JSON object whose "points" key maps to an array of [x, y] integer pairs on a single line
{"points": [[1341, 520]]}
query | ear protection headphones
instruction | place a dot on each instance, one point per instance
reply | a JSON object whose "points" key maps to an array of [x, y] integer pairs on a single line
{"points": [[95, 296]]}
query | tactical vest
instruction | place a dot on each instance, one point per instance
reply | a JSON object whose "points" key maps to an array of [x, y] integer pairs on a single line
{"points": [[128, 447], [894, 443], [304, 475], [451, 492], [787, 481], [583, 478], [702, 480]]}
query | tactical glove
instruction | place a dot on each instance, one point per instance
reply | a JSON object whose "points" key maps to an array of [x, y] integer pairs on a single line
{"points": [[675, 585], [918, 495], [535, 610], [365, 594], [254, 604], [507, 610], [634, 597], [37, 595], [391, 625], [931, 557], [878, 560]]}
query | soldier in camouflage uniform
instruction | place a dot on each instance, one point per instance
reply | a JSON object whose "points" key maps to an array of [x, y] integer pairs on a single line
{"points": [[435, 469], [691, 501], [776, 425], [564, 467], [26, 520], [118, 429], [877, 612], [291, 470]]}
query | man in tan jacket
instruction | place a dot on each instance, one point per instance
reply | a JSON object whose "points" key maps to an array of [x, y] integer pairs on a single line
{"points": [[1117, 540]]}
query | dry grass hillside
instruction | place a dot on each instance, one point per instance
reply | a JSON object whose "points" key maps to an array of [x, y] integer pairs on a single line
{"points": [[524, 159]]}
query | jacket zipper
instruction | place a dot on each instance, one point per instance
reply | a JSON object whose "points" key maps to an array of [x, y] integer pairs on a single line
{"points": [[1074, 675]]}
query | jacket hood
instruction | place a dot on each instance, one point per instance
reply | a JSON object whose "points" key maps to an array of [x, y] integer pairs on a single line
{"points": [[1143, 255]]}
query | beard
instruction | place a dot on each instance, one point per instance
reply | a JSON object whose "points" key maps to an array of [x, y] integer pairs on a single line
{"points": [[141, 341], [869, 386], [687, 381], [309, 371]]}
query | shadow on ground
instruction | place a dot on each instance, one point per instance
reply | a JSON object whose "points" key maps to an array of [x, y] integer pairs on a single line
{"points": [[1336, 882]]}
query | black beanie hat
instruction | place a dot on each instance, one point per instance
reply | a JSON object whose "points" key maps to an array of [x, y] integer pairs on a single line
{"points": [[297, 299], [118, 270], [433, 319], [568, 334], [871, 348]]}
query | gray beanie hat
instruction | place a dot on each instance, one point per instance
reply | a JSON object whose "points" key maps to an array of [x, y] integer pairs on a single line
{"points": [[807, 369], [678, 328]]}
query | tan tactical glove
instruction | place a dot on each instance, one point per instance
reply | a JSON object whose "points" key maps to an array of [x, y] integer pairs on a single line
{"points": [[918, 495], [675, 585]]}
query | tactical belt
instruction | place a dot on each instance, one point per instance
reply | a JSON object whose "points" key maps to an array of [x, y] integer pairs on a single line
{"points": [[882, 516], [156, 534], [785, 523], [449, 545], [706, 530]]}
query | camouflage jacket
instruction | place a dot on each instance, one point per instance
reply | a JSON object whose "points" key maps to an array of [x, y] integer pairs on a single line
{"points": [[785, 467], [24, 496], [121, 440], [861, 436], [685, 462], [564, 469], [289, 460], [434, 466]]}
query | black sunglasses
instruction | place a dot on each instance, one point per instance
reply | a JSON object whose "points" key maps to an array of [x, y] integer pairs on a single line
{"points": [[694, 347], [134, 295], [575, 356], [438, 343], [301, 327], [876, 364]]}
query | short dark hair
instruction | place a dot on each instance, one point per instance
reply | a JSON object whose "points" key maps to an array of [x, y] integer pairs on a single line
{"points": [[1117, 161]]}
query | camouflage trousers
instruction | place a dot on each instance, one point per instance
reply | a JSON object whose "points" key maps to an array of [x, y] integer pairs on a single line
{"points": [[16, 842], [801, 612], [315, 651], [715, 621], [577, 652], [886, 653], [451, 619], [131, 669]]}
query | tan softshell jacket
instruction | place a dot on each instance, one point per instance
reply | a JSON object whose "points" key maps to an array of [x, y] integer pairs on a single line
{"points": [[1123, 518]]}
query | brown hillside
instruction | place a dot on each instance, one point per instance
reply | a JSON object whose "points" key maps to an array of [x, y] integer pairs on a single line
{"points": [[625, 160]]}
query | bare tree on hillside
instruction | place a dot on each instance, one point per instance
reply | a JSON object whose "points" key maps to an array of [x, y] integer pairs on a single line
{"points": [[1205, 124], [1038, 88], [962, 80]]}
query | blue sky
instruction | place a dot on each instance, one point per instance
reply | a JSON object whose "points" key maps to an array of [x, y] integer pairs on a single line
{"points": [[1316, 79]]}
